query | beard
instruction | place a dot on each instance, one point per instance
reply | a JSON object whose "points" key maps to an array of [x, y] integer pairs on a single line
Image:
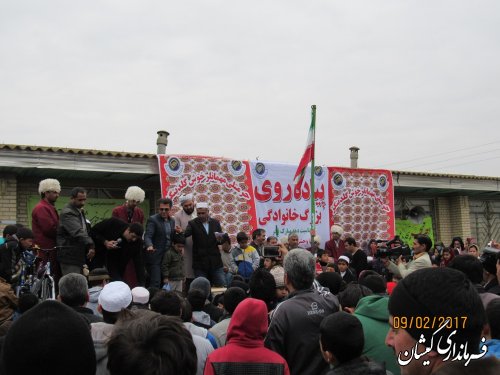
{"points": [[189, 211]]}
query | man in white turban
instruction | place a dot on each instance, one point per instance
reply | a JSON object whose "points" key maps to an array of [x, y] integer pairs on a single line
{"points": [[130, 212], [182, 218], [336, 246], [45, 219]]}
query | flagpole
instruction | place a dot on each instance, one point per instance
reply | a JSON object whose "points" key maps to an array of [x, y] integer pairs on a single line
{"points": [[313, 203]]}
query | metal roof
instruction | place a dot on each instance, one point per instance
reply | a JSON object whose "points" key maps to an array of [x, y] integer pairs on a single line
{"points": [[62, 162]]}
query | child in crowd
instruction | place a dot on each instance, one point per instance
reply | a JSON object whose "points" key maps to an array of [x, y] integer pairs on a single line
{"points": [[278, 273], [341, 343], [244, 258], [348, 274], [322, 259], [330, 267], [474, 250], [225, 255], [97, 279], [446, 257], [172, 266]]}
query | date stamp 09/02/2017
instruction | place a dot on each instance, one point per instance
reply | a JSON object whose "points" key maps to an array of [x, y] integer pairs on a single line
{"points": [[429, 322]]}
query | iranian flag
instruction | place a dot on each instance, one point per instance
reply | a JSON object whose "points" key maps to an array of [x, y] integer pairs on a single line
{"points": [[309, 152]]}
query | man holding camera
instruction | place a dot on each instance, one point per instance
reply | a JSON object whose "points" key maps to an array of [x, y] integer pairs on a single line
{"points": [[490, 260], [421, 245]]}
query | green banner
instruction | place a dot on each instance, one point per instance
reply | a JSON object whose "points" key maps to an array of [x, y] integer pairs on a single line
{"points": [[407, 230], [96, 209]]}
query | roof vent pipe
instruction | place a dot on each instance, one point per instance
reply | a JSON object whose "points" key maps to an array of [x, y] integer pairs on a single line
{"points": [[161, 142], [354, 156]]}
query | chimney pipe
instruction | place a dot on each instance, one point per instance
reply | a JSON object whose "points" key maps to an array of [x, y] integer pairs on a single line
{"points": [[161, 142], [354, 156]]}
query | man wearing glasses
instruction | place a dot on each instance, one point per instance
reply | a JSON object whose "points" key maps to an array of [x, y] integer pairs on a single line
{"points": [[160, 229]]}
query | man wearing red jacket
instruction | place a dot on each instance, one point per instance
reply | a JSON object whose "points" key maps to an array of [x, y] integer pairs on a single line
{"points": [[244, 350], [130, 212], [44, 221]]}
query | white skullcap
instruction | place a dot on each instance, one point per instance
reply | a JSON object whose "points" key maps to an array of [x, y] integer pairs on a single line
{"points": [[49, 184], [337, 229], [185, 198], [317, 239], [135, 193], [345, 259], [115, 296], [202, 205], [140, 295]]}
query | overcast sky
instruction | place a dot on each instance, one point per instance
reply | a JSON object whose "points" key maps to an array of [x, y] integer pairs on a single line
{"points": [[414, 84]]}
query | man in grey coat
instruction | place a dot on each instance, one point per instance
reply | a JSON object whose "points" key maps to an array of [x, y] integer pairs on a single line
{"points": [[160, 229], [73, 240]]}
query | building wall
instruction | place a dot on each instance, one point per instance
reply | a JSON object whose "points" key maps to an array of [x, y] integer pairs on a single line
{"points": [[14, 194], [8, 200]]}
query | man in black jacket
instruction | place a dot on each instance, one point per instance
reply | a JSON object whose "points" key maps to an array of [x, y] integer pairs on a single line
{"points": [[73, 238], [118, 243], [206, 256]]}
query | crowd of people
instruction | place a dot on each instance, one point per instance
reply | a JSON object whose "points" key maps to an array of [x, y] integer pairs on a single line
{"points": [[177, 296]]}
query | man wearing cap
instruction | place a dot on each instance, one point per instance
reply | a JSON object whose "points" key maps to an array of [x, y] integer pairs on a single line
{"points": [[140, 298], [115, 297], [130, 212], [336, 246], [45, 219], [182, 218], [74, 243], [207, 261], [437, 319], [160, 229]]}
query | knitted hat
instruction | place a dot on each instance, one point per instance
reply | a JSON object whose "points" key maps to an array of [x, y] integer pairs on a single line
{"points": [[51, 339], [330, 280], [440, 293], [140, 295], [49, 184], [278, 273], [115, 296], [202, 284], [135, 193]]}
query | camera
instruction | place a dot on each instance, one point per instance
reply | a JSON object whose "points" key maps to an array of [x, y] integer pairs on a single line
{"points": [[271, 252], [489, 258], [394, 252]]}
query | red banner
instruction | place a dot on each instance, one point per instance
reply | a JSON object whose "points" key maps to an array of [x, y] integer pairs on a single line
{"points": [[224, 184], [245, 196], [362, 203]]}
